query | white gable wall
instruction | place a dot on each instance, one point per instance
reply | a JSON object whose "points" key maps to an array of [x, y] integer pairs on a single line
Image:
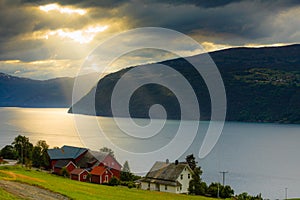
{"points": [[170, 189], [186, 177]]}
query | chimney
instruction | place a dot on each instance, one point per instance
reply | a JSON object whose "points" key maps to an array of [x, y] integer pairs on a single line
{"points": [[167, 161]]}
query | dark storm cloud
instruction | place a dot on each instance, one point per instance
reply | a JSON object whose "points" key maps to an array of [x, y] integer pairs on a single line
{"points": [[198, 3], [232, 22], [248, 20], [81, 3]]}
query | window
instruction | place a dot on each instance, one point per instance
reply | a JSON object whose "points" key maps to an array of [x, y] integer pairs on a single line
{"points": [[166, 187], [180, 188], [189, 176], [184, 169], [106, 178], [84, 176], [181, 176]]}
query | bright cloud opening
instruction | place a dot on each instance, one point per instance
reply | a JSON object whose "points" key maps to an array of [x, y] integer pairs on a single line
{"points": [[62, 9], [81, 36]]}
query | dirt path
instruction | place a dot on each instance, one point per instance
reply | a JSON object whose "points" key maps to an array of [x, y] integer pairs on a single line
{"points": [[29, 192]]}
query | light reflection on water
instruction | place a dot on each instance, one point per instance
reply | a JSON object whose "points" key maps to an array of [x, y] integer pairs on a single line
{"points": [[259, 157], [51, 124]]}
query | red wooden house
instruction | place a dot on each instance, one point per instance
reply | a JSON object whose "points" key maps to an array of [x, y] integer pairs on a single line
{"points": [[96, 158], [74, 154], [101, 174], [105, 159], [80, 175], [76, 157], [69, 165]]}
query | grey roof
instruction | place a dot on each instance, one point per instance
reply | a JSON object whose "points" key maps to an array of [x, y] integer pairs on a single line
{"points": [[66, 152], [88, 158], [77, 171], [61, 163], [100, 156], [93, 158], [166, 172]]}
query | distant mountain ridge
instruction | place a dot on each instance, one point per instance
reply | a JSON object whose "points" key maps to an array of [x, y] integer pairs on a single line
{"points": [[25, 92], [262, 85]]}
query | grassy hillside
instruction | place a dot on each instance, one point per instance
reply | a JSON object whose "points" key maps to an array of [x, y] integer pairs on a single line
{"points": [[79, 190], [7, 196]]}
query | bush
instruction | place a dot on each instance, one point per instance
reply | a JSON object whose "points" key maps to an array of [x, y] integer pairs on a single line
{"points": [[224, 191], [9, 152], [64, 172], [246, 196], [114, 181], [128, 176], [131, 185]]}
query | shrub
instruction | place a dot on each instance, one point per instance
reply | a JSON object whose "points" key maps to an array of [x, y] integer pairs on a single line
{"points": [[64, 172], [114, 181]]}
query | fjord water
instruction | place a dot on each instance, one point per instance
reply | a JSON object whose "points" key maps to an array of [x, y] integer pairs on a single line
{"points": [[259, 158]]}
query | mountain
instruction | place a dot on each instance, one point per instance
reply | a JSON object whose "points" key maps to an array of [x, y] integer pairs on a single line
{"points": [[262, 85], [24, 92]]}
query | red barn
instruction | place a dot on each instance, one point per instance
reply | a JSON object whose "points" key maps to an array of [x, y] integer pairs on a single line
{"points": [[74, 154], [101, 174], [96, 158], [105, 159], [82, 158], [69, 165], [80, 175]]}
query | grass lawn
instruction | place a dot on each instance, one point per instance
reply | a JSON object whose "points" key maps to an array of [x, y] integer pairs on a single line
{"points": [[7, 196], [79, 190]]}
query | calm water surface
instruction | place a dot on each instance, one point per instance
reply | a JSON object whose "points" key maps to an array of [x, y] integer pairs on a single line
{"points": [[259, 158]]}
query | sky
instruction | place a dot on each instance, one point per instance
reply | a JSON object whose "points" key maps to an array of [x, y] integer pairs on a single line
{"points": [[44, 39]]}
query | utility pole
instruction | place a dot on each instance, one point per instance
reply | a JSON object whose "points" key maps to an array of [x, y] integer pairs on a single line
{"points": [[218, 195], [224, 173], [286, 193]]}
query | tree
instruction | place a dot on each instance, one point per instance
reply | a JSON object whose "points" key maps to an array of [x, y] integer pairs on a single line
{"points": [[191, 160], [126, 167], [224, 191], [40, 156], [108, 150], [246, 196], [213, 189], [114, 181], [196, 186], [9, 152], [126, 175], [23, 148], [36, 156]]}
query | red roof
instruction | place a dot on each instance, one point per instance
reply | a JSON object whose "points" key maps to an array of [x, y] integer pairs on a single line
{"points": [[77, 171], [98, 170]]}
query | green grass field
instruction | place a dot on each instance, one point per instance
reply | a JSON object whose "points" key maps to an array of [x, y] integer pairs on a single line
{"points": [[79, 190], [7, 196]]}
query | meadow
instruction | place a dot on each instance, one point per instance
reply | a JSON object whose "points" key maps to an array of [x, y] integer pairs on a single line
{"points": [[80, 190]]}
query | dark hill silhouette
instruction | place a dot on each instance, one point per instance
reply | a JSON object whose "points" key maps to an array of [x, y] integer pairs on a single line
{"points": [[262, 85]]}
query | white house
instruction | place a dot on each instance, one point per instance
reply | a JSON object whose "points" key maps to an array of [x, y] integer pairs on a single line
{"points": [[168, 177]]}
